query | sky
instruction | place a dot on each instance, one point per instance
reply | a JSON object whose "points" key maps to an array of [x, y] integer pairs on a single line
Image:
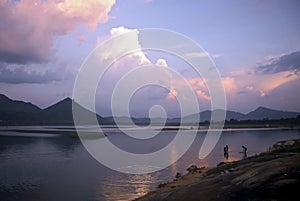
{"points": [[254, 44]]}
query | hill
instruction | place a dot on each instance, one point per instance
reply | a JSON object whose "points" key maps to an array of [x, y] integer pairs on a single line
{"points": [[12, 106], [13, 112], [266, 113], [260, 113], [60, 113]]}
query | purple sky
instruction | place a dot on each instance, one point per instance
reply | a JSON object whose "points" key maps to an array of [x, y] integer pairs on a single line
{"points": [[254, 44]]}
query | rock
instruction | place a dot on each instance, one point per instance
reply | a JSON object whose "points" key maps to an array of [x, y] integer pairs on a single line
{"points": [[221, 163], [178, 175], [228, 170], [194, 169], [161, 185]]}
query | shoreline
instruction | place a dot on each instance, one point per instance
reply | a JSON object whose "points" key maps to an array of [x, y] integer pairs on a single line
{"points": [[186, 179], [165, 128], [271, 175], [71, 132]]}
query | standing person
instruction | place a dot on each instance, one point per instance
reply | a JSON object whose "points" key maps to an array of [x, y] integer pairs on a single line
{"points": [[226, 152]]}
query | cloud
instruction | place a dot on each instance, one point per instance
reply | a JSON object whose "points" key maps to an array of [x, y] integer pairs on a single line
{"points": [[123, 65], [287, 62], [172, 94], [80, 38], [201, 54], [215, 56], [161, 63], [202, 95], [27, 27], [21, 74], [176, 87], [180, 87], [195, 54], [230, 84], [251, 84], [130, 44], [262, 93], [249, 88]]}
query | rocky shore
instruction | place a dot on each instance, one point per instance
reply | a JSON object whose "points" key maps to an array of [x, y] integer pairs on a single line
{"points": [[272, 175]]}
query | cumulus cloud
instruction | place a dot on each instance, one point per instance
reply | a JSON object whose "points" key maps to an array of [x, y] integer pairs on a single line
{"points": [[27, 27], [162, 63], [128, 44], [286, 62], [176, 87]]}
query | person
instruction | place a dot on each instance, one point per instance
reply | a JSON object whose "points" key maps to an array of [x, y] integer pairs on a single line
{"points": [[244, 151], [226, 152]]}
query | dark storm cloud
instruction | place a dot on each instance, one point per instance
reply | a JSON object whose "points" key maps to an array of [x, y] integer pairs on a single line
{"points": [[21, 57], [287, 62], [20, 75]]}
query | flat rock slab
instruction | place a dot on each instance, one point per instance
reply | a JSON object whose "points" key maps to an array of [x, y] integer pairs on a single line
{"points": [[274, 175]]}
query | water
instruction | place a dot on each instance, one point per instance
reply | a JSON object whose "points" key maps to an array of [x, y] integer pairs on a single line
{"points": [[42, 165]]}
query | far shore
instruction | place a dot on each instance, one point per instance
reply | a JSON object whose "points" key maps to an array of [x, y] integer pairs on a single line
{"points": [[229, 128], [71, 130]]}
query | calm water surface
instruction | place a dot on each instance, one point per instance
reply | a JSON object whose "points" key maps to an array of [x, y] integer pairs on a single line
{"points": [[42, 166]]}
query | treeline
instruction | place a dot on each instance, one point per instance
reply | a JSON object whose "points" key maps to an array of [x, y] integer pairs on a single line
{"points": [[283, 122]]}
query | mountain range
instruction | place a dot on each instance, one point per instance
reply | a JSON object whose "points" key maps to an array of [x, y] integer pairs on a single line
{"points": [[14, 112]]}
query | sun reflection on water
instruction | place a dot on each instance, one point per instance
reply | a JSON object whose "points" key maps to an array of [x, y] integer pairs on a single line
{"points": [[173, 156], [129, 187]]}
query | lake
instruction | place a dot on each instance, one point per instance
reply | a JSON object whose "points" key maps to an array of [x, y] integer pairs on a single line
{"points": [[39, 165]]}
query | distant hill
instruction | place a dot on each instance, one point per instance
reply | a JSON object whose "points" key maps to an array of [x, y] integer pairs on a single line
{"points": [[260, 113], [14, 112], [266, 113], [61, 113], [17, 112], [20, 113], [12, 106], [206, 116]]}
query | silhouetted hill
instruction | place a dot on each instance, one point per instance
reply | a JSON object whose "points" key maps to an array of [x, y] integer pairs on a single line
{"points": [[17, 112], [206, 116], [259, 114], [266, 113], [8, 105], [62, 113], [21, 113], [59, 112], [14, 112]]}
